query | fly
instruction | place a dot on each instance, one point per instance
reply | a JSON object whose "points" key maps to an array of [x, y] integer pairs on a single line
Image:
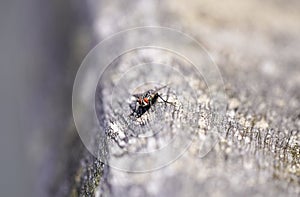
{"points": [[144, 101]]}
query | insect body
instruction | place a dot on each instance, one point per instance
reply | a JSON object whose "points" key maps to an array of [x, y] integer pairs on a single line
{"points": [[144, 101]]}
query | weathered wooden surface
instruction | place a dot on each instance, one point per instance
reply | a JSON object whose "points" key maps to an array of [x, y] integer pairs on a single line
{"points": [[257, 150]]}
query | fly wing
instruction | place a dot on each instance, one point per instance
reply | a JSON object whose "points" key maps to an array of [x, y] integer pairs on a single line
{"points": [[152, 92], [156, 90], [137, 95]]}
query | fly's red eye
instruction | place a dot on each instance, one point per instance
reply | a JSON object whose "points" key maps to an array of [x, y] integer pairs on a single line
{"points": [[146, 100], [140, 101]]}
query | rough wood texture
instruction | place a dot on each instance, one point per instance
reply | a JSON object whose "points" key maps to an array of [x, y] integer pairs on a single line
{"points": [[256, 150]]}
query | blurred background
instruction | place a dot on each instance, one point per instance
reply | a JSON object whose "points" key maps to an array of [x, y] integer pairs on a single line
{"points": [[255, 43]]}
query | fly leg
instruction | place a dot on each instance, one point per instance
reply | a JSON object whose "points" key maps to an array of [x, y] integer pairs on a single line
{"points": [[166, 101]]}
